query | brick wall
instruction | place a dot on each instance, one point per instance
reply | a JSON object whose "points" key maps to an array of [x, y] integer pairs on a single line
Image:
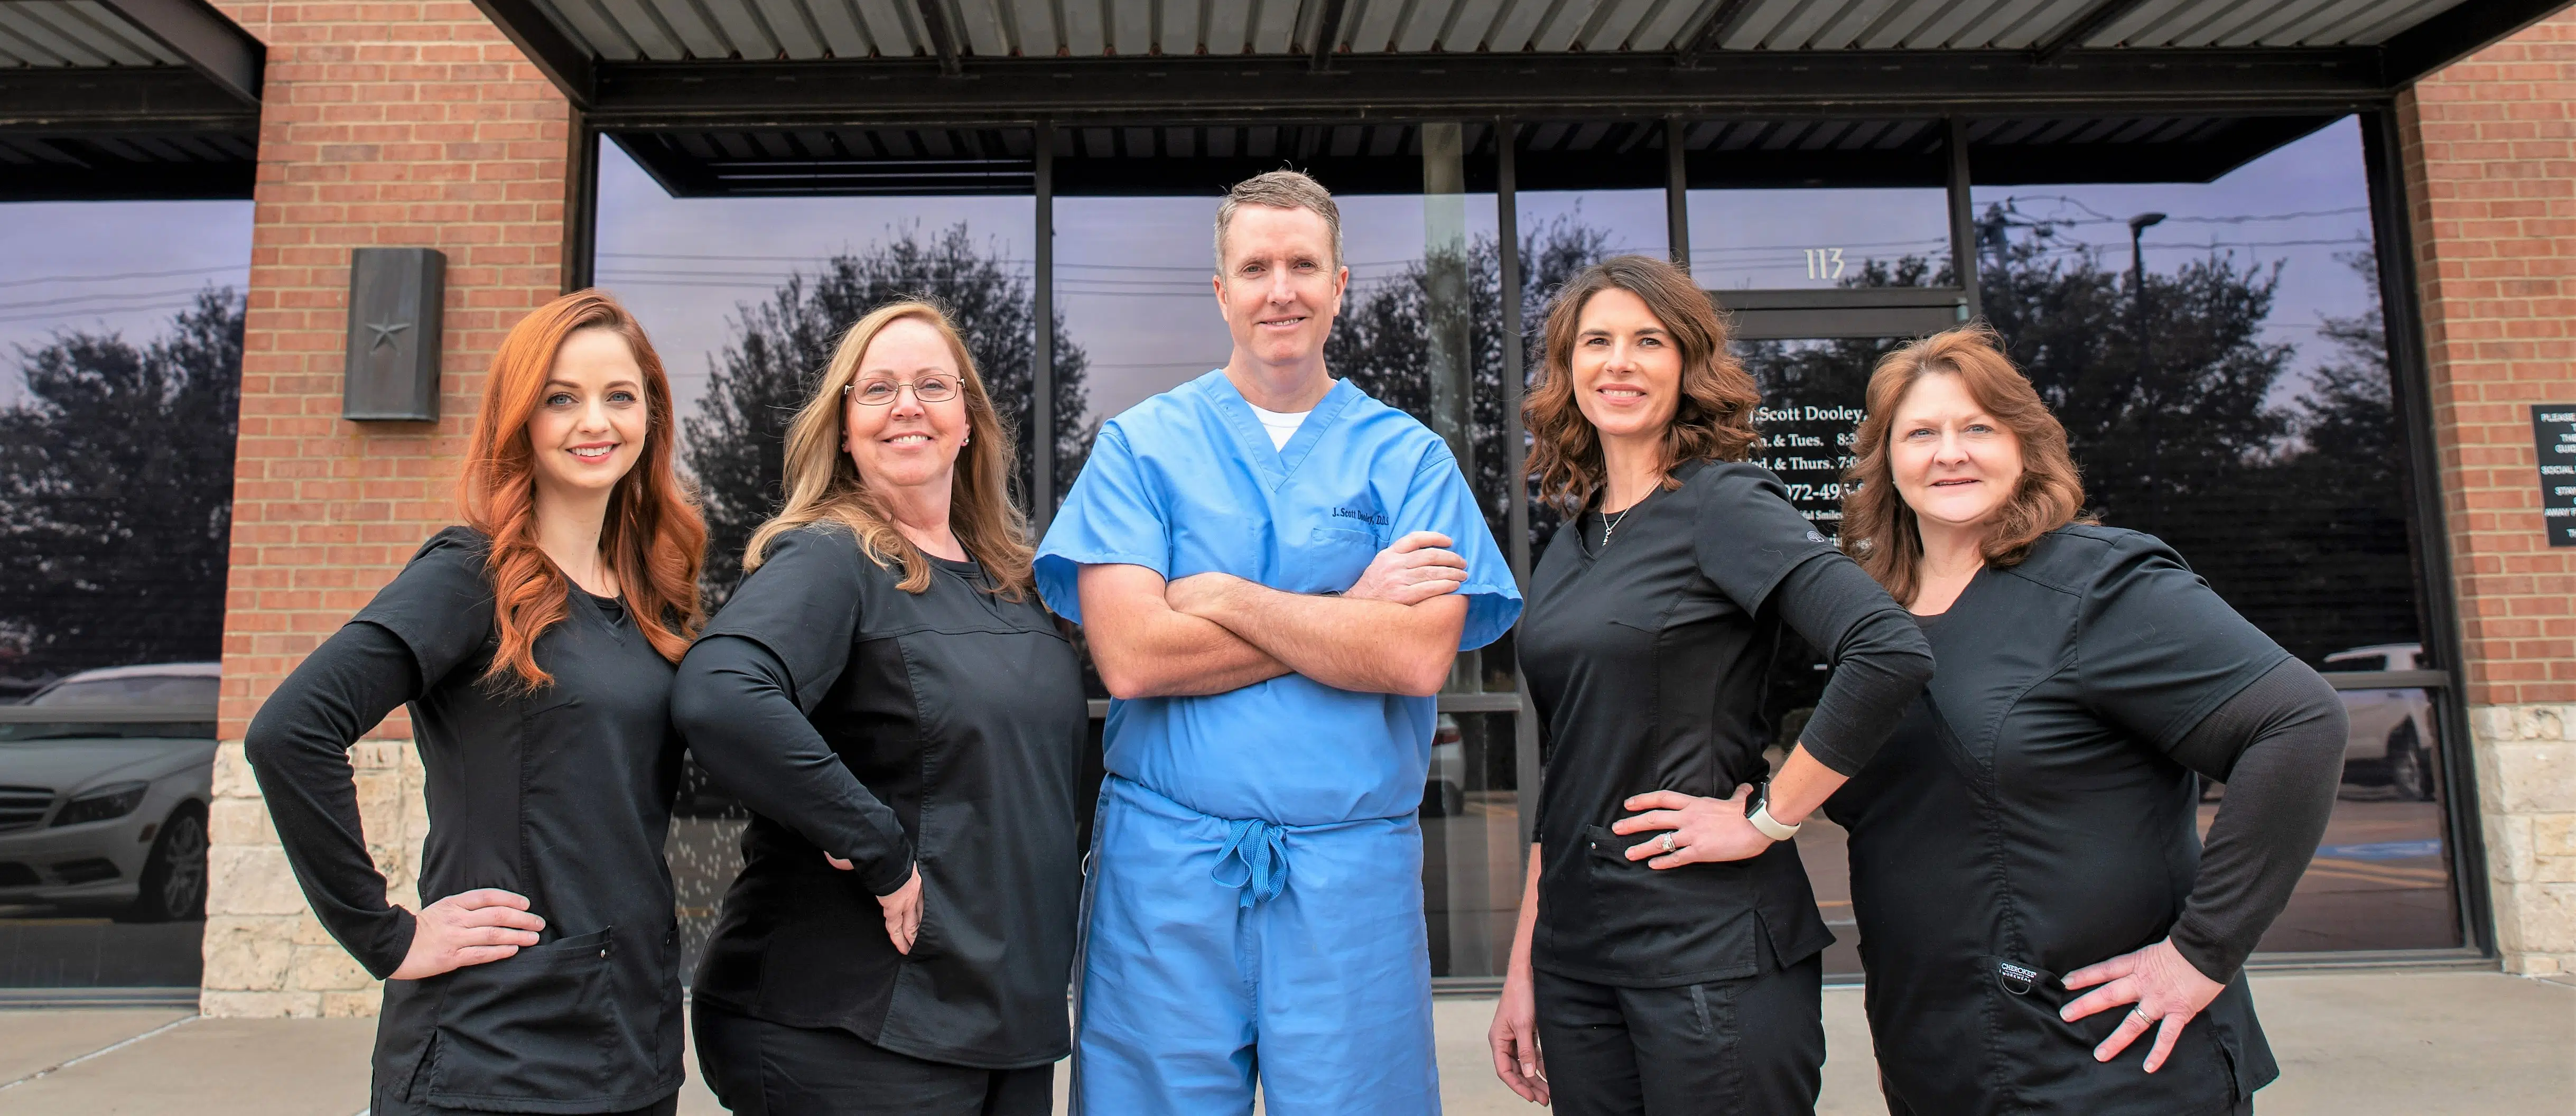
{"points": [[2490, 159], [384, 124]]}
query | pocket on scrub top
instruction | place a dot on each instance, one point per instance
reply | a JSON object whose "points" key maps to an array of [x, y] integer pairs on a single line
{"points": [[2053, 1058], [1697, 915], [1333, 557], [539, 1025]]}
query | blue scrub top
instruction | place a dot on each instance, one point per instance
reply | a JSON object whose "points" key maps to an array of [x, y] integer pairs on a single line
{"points": [[1186, 483]]}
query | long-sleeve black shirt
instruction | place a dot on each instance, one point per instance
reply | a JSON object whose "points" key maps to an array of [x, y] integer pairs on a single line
{"points": [[2278, 745], [2035, 813], [1648, 654], [941, 731], [561, 794]]}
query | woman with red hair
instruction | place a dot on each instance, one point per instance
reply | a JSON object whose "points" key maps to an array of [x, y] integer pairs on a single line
{"points": [[535, 645]]}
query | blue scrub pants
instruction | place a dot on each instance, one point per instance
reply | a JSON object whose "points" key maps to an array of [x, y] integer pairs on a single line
{"points": [[1323, 990]]}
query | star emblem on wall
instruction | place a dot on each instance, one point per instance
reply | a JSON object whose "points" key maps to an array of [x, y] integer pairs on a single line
{"points": [[385, 334]]}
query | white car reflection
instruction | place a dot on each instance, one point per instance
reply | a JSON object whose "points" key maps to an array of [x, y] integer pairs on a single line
{"points": [[2392, 729], [109, 814]]}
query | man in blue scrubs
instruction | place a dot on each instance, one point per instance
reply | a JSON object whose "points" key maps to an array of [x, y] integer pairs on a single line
{"points": [[1274, 573]]}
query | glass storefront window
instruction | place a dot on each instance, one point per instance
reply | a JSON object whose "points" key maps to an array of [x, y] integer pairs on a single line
{"points": [[2239, 406], [746, 297], [1788, 239], [2381, 878], [1472, 853], [121, 325], [2231, 396]]}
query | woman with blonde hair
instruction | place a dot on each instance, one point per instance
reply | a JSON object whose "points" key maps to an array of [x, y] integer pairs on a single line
{"points": [[2029, 832], [905, 721], [535, 645], [1667, 957]]}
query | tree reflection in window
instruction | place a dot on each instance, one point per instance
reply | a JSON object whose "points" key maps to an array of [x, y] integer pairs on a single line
{"points": [[2187, 424], [116, 485]]}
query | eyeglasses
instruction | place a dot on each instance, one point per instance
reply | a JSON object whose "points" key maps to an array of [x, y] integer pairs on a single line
{"points": [[928, 389]]}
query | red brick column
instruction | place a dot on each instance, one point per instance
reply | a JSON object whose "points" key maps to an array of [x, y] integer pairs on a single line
{"points": [[2490, 162], [411, 124]]}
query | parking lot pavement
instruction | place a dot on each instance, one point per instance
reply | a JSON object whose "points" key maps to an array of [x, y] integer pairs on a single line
{"points": [[2425, 1043]]}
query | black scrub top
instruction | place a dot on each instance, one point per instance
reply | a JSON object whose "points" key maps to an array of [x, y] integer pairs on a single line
{"points": [[2026, 821], [960, 713], [562, 794], [1647, 660]]}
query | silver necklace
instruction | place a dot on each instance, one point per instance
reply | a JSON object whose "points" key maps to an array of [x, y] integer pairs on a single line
{"points": [[1609, 525]]}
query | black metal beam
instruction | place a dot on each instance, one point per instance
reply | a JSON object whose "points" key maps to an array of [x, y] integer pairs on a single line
{"points": [[1712, 34], [1184, 89], [1676, 193], [126, 166], [566, 63], [943, 38], [2464, 30], [173, 182], [1040, 437], [2086, 24], [581, 204], [213, 46], [158, 99], [1328, 34], [1963, 217]]}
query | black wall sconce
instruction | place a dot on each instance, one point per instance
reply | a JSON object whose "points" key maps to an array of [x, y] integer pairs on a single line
{"points": [[394, 301]]}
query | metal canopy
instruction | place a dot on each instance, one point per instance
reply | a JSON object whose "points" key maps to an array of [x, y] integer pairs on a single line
{"points": [[676, 30], [798, 96], [114, 99], [1381, 158], [644, 62]]}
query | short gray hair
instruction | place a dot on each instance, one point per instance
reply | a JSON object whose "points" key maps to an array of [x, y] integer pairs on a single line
{"points": [[1279, 189]]}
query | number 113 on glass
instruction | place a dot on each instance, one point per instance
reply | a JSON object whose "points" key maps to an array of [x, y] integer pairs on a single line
{"points": [[1824, 263]]}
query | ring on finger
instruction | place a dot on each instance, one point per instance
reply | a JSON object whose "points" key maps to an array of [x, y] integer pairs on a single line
{"points": [[2142, 1016], [1666, 841]]}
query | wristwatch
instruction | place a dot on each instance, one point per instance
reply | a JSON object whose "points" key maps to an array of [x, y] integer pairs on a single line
{"points": [[1758, 812]]}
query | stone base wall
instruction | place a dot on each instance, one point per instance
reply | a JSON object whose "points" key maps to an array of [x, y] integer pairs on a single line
{"points": [[2526, 760], [266, 955]]}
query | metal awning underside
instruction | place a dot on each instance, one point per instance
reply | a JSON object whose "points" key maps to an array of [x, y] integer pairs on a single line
{"points": [[804, 64], [1364, 158], [676, 30], [115, 99], [124, 166]]}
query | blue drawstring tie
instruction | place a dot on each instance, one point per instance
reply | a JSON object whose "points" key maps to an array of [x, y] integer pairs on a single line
{"points": [[1263, 850]]}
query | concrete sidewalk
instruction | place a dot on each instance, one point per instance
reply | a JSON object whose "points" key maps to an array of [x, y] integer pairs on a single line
{"points": [[2349, 1043]]}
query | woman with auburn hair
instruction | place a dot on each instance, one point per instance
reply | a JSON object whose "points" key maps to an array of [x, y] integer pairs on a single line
{"points": [[2028, 833], [906, 723], [535, 644], [1667, 957]]}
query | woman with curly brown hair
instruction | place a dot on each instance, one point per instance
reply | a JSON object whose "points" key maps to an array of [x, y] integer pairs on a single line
{"points": [[2035, 812], [535, 645], [1667, 958]]}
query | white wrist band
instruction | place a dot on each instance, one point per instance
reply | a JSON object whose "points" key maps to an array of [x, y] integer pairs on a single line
{"points": [[1771, 827]]}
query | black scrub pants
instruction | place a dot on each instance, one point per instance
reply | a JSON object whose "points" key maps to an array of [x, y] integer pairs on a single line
{"points": [[759, 1068], [1896, 1105], [1751, 1045], [667, 1106]]}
